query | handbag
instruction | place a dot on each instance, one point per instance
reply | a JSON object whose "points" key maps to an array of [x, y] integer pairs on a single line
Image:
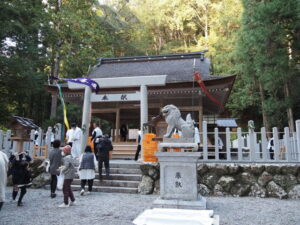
{"points": [[60, 181], [47, 165]]}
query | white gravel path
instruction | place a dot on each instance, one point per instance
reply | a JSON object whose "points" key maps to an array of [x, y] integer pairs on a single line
{"points": [[121, 209]]}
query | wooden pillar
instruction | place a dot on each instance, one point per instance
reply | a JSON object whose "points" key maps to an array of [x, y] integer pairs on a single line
{"points": [[53, 105], [117, 125]]}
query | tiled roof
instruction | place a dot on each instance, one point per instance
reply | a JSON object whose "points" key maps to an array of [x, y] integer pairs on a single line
{"points": [[25, 122], [226, 122], [178, 67]]}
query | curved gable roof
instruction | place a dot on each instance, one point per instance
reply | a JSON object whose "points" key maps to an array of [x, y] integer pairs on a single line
{"points": [[178, 67]]}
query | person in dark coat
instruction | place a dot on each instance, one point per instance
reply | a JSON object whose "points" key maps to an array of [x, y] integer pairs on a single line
{"points": [[123, 132], [138, 149], [104, 147], [55, 158], [20, 174]]}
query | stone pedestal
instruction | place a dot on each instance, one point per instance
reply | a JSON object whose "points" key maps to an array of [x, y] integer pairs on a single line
{"points": [[177, 217], [178, 181]]}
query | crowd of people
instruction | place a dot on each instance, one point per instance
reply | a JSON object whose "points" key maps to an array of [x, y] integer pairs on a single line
{"points": [[65, 161]]}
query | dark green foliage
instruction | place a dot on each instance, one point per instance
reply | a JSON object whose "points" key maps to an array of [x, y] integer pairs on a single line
{"points": [[266, 40], [40, 39], [22, 59]]}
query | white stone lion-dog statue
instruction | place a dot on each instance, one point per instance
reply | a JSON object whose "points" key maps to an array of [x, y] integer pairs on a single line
{"points": [[174, 120]]}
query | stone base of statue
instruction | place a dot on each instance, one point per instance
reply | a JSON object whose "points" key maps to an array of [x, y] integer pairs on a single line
{"points": [[178, 181]]}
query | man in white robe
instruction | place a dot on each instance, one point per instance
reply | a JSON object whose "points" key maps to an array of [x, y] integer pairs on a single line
{"points": [[74, 136], [3, 176]]}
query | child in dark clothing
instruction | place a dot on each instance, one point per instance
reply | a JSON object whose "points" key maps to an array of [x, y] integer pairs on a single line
{"points": [[20, 174], [24, 182]]}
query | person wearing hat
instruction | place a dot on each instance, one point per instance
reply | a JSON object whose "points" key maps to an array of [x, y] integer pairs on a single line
{"points": [[74, 136], [68, 170]]}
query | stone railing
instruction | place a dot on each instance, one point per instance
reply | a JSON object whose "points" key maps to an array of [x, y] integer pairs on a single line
{"points": [[257, 180]]}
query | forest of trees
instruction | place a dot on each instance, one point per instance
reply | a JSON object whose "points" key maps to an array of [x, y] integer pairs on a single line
{"points": [[257, 40]]}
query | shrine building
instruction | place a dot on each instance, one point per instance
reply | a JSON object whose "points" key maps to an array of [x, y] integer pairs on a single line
{"points": [[134, 89]]}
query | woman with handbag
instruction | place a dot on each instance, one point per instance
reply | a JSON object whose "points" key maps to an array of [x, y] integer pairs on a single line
{"points": [[87, 166], [68, 170]]}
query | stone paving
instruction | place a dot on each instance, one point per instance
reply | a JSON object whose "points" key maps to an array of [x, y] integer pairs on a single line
{"points": [[121, 209]]}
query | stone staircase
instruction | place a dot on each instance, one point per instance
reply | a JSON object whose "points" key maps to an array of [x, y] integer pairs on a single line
{"points": [[125, 176], [124, 150]]}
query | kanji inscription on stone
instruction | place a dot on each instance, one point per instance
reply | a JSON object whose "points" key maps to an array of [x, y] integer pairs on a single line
{"points": [[178, 183]]}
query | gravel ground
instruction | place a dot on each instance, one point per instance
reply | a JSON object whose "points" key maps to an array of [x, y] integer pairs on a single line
{"points": [[121, 209]]}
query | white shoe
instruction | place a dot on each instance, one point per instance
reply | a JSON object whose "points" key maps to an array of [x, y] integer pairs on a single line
{"points": [[88, 193], [63, 205], [72, 203], [82, 192]]}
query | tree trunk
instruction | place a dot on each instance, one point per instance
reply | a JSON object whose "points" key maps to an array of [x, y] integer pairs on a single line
{"points": [[264, 114], [56, 57], [289, 109], [287, 93], [206, 25]]}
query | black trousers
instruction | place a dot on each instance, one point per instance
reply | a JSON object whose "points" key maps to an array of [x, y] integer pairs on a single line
{"points": [[271, 153], [90, 184], [1, 204], [53, 183], [138, 150], [15, 193], [104, 160], [96, 151]]}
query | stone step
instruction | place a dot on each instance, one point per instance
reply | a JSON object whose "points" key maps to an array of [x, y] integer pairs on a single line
{"points": [[124, 152], [122, 171], [132, 165], [112, 183], [123, 155], [124, 147], [108, 189], [129, 177], [125, 176]]}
